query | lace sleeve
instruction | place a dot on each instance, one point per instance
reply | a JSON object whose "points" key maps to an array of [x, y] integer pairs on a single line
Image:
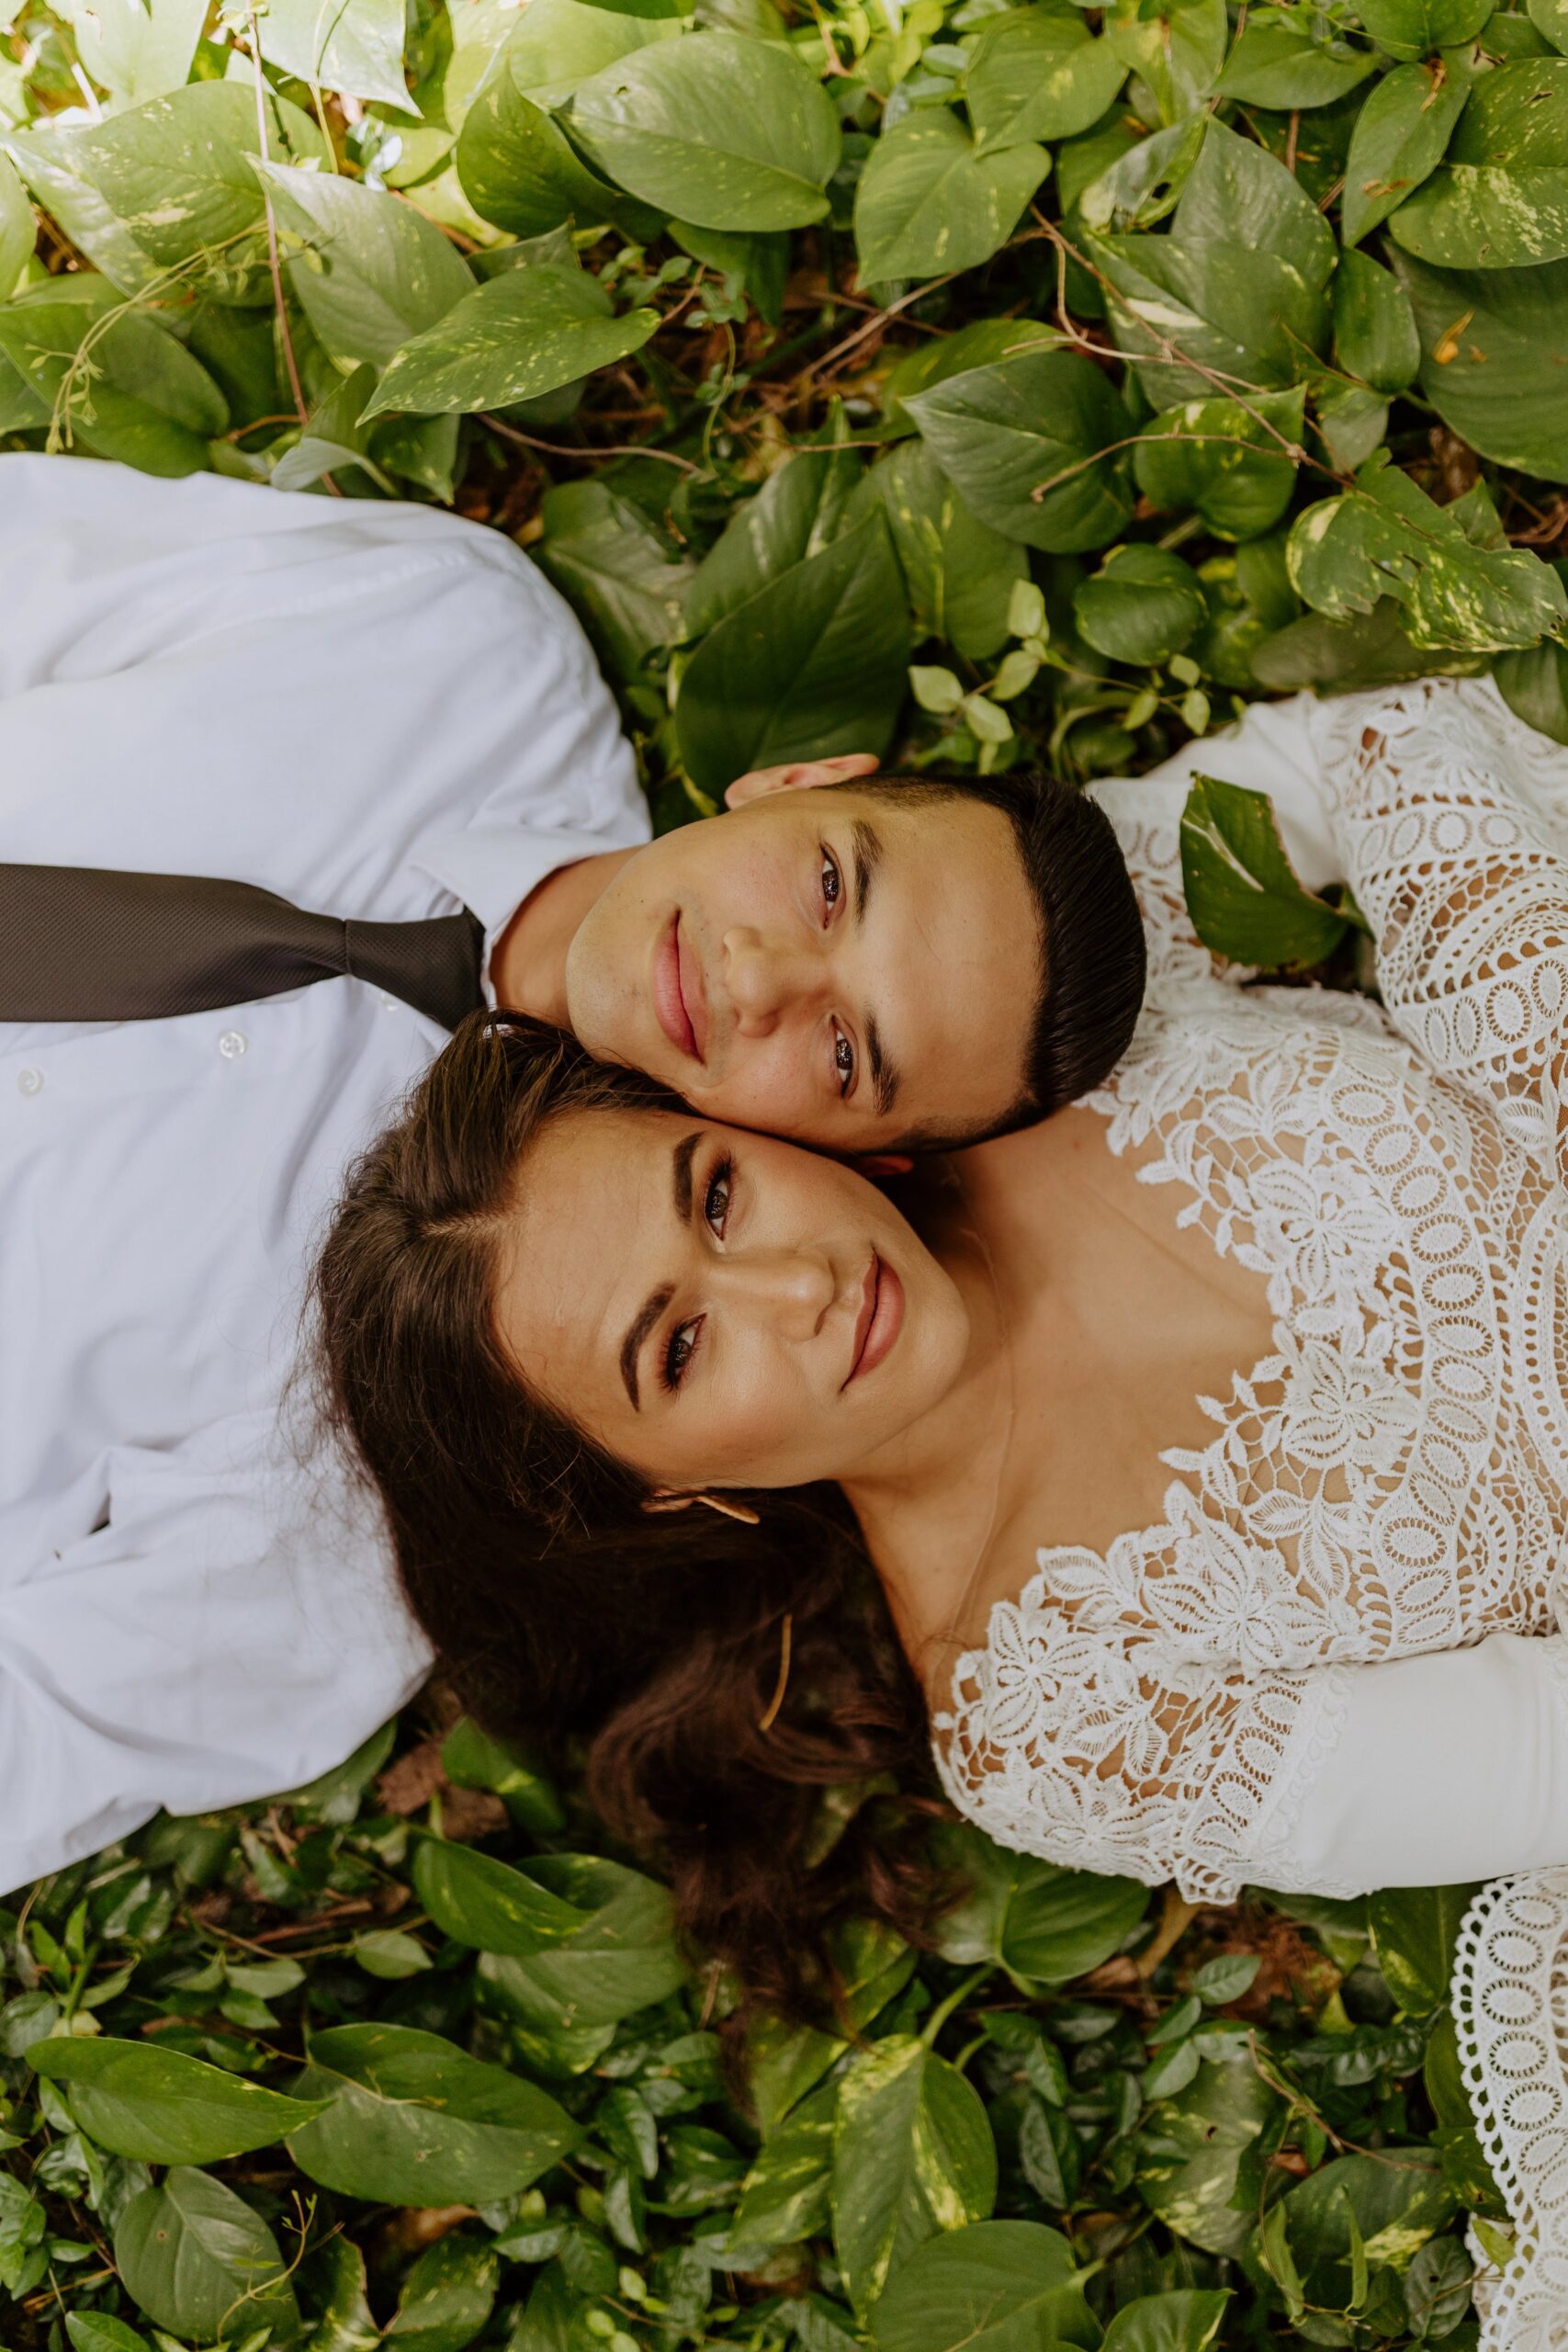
{"points": [[1452, 822], [1076, 1737]]}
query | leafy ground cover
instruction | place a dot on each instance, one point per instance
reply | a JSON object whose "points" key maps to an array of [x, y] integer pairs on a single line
{"points": [[969, 384]]}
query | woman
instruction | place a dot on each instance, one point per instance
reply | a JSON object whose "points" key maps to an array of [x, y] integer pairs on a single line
{"points": [[1209, 1441]]}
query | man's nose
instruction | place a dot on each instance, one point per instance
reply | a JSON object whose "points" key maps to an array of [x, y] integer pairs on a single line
{"points": [[792, 1289], [764, 981]]}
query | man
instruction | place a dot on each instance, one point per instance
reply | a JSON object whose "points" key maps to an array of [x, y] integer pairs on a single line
{"points": [[378, 713]]}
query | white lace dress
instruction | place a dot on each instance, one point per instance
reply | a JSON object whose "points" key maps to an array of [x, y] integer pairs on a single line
{"points": [[1339, 1662]]}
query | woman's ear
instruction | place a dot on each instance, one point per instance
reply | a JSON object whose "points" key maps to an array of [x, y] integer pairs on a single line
{"points": [[875, 1164], [796, 775]]}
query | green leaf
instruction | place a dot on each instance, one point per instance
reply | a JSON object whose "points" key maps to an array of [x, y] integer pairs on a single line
{"points": [[1226, 1978], [552, 47], [1146, 182], [1374, 651], [1036, 73], [1535, 685], [571, 1996], [488, 1903], [1277, 63], [758, 263], [1187, 2170], [1242, 891], [413, 2120], [446, 2299], [994, 2286], [1397, 143], [19, 230], [139, 52], [1178, 49], [1386, 537], [1186, 2320], [1499, 198], [1495, 364], [377, 271], [333, 441], [115, 379], [200, 2262], [1412, 28], [812, 665], [1142, 605], [511, 339], [974, 346], [913, 2154], [959, 574], [1188, 313], [800, 509], [1414, 1935], [1393, 2201], [1043, 1923], [872, 1966], [930, 200], [788, 2191], [1022, 440], [95, 2332], [724, 131], [175, 173], [160, 2106], [1550, 19], [388, 1952], [516, 164], [48, 163], [629, 591], [355, 46], [1220, 459], [1374, 326], [1237, 192]]}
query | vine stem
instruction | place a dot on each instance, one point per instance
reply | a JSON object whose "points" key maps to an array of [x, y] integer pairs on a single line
{"points": [[274, 259], [588, 457], [956, 1999]]}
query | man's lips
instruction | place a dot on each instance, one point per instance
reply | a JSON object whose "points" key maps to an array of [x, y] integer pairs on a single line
{"points": [[673, 964], [880, 1319]]}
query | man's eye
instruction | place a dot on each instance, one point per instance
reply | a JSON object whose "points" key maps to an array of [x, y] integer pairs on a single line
{"points": [[678, 1355], [833, 880], [716, 1200], [843, 1061]]}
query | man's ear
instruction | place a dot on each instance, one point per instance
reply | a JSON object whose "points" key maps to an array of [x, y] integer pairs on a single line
{"points": [[796, 775]]}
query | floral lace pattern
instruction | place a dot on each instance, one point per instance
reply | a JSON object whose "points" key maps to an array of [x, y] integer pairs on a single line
{"points": [[1510, 1996], [1452, 814], [1391, 1478]]}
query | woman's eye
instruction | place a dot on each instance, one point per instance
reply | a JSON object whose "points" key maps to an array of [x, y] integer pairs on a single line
{"points": [[678, 1355], [833, 880], [715, 1201], [843, 1061]]}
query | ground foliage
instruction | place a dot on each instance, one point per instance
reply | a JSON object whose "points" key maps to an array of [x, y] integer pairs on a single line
{"points": [[963, 383]]}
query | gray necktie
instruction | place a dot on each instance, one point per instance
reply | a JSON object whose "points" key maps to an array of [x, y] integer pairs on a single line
{"points": [[84, 944]]}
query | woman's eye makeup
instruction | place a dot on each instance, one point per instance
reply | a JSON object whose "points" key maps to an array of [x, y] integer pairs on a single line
{"points": [[683, 1343]]}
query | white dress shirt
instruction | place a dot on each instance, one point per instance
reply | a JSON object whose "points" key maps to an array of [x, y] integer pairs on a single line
{"points": [[379, 711]]}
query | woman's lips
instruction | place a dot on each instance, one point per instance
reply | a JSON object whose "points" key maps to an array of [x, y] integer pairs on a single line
{"points": [[880, 1319], [669, 999]]}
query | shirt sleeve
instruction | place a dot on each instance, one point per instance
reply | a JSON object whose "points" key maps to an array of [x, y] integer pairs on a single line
{"points": [[1445, 1767], [1269, 749], [1451, 819], [231, 1632]]}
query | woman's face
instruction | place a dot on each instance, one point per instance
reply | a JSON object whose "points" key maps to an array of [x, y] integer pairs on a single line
{"points": [[717, 1307]]}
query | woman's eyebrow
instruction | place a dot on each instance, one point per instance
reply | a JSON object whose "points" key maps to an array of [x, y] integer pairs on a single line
{"points": [[654, 1305]]}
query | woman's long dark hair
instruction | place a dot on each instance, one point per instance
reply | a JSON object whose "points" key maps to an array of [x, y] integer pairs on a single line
{"points": [[558, 1607]]}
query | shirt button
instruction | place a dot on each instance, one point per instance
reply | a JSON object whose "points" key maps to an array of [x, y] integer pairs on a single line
{"points": [[232, 1044], [29, 1082]]}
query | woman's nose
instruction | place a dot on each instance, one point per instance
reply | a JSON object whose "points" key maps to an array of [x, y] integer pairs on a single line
{"points": [[794, 1289], [764, 980]]}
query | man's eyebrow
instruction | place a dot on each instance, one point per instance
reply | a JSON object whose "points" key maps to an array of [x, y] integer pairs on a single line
{"points": [[865, 848], [653, 1306], [884, 1075]]}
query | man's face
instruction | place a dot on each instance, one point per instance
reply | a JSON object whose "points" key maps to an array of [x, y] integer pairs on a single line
{"points": [[821, 965]]}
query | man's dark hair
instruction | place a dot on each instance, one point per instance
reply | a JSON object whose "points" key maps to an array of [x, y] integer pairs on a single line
{"points": [[1089, 980]]}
